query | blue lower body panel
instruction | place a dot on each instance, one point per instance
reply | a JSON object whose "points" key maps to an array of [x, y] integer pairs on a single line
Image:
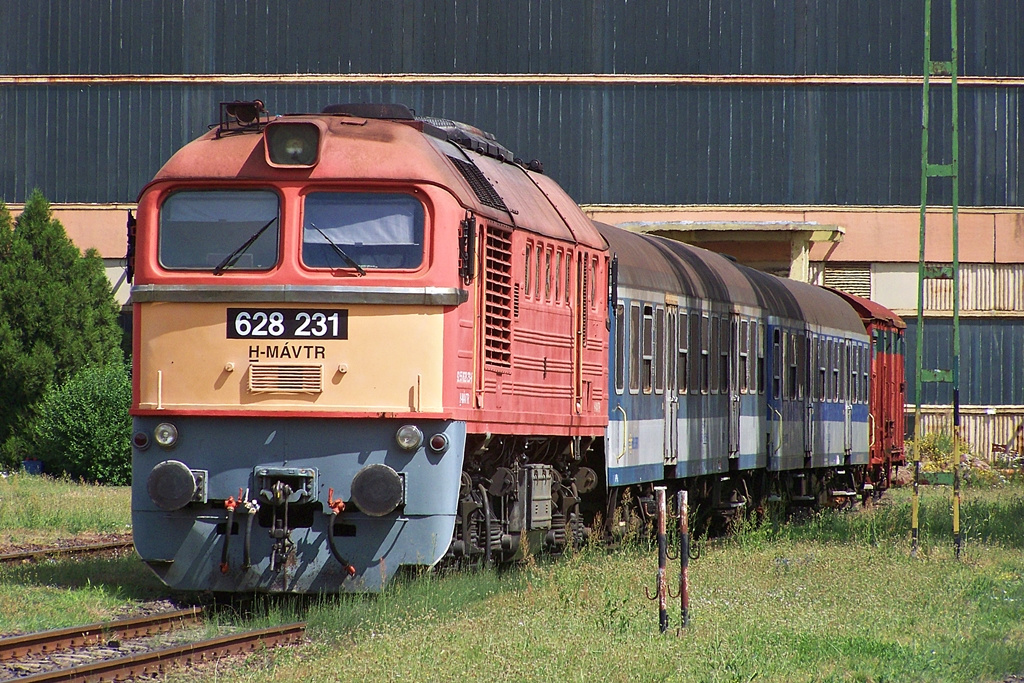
{"points": [[240, 459]]}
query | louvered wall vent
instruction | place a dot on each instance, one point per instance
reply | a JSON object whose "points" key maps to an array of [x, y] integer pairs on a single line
{"points": [[498, 298], [286, 379], [854, 280]]}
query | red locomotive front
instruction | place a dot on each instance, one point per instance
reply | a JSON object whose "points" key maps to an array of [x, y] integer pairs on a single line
{"points": [[326, 312]]}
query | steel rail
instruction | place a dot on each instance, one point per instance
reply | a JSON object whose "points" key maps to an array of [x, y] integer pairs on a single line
{"points": [[48, 642], [157, 661], [64, 550]]}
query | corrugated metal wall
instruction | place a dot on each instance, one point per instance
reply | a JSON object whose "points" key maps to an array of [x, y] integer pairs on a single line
{"points": [[532, 36], [991, 360], [631, 144], [983, 287]]}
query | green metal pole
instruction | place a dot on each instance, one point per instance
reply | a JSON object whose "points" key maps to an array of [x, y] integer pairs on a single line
{"points": [[957, 539], [919, 353]]}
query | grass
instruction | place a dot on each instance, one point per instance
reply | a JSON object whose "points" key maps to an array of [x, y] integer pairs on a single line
{"points": [[836, 597], [40, 510]]}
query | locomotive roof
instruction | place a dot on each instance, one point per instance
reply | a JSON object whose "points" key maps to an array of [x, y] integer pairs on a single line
{"points": [[650, 262], [355, 148]]}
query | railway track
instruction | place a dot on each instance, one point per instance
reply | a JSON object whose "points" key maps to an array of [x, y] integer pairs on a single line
{"points": [[94, 652], [67, 550]]}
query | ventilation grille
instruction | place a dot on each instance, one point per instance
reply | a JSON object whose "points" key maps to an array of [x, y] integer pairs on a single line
{"points": [[854, 280], [286, 379], [485, 192], [498, 299]]}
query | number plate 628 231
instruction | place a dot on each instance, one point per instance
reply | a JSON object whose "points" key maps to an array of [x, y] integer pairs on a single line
{"points": [[287, 323]]}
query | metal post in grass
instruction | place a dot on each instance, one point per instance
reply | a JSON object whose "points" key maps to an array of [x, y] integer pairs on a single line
{"points": [[659, 493], [682, 504]]}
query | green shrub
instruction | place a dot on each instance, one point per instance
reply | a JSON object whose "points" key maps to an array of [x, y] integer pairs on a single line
{"points": [[83, 428], [57, 316]]}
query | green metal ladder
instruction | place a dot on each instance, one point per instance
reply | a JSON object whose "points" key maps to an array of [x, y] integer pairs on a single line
{"points": [[951, 170]]}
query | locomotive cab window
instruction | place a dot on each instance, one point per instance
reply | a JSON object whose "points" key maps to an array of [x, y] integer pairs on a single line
{"points": [[383, 231], [219, 230]]}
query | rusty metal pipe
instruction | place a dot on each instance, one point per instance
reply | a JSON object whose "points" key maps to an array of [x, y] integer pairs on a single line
{"points": [[682, 504], [659, 493]]}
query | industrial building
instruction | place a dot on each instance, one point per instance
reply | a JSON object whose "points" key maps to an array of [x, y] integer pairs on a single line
{"points": [[786, 134]]}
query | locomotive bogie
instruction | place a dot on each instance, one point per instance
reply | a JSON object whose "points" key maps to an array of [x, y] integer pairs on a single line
{"points": [[285, 474]]}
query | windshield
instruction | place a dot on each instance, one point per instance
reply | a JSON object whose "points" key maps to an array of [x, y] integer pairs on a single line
{"points": [[200, 230], [374, 230]]}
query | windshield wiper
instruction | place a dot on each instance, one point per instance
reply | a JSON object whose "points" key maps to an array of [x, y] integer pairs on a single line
{"points": [[339, 251], [231, 258]]}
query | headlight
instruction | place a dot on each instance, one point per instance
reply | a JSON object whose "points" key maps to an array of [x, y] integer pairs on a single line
{"points": [[292, 144], [409, 437], [166, 434]]}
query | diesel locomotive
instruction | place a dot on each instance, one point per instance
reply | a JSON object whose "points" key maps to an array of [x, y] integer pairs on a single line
{"points": [[366, 340]]}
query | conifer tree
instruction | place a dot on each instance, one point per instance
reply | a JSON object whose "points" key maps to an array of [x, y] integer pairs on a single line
{"points": [[57, 315]]}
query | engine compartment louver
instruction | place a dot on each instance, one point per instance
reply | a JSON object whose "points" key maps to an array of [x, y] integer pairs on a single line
{"points": [[286, 379], [482, 187]]}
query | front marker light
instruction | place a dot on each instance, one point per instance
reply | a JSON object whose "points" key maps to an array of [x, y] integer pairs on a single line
{"points": [[409, 437], [165, 434], [439, 443]]}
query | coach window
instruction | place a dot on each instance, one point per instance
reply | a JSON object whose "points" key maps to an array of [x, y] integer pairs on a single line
{"points": [[744, 357], [670, 350], [835, 369], [715, 349], [593, 283], [658, 351], [865, 372], [681, 369], [705, 344], [759, 371], [812, 367], [220, 230], [801, 367], [634, 348], [647, 365], [692, 361], [371, 229], [854, 373], [843, 362], [725, 369], [777, 364], [620, 347]]}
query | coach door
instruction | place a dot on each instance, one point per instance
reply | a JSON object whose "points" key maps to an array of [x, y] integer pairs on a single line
{"points": [[844, 396], [668, 352], [814, 371], [731, 379]]}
